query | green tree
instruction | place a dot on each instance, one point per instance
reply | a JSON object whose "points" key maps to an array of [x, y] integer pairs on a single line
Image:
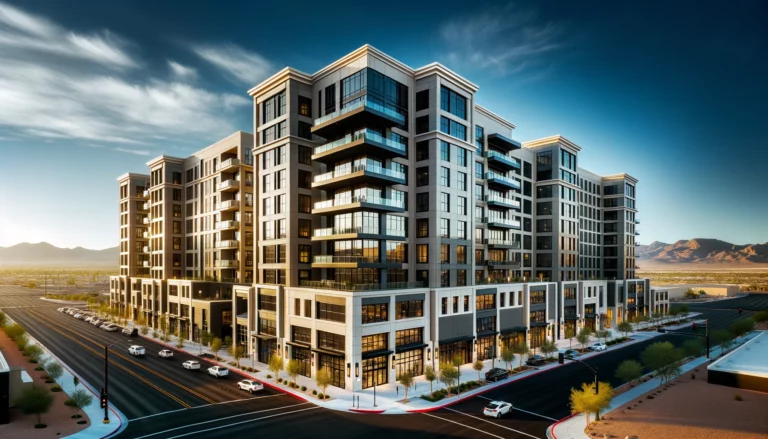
{"points": [[603, 334], [586, 401], [478, 367], [293, 369], [216, 347], [205, 339], [3, 318], [276, 364], [181, 338], [323, 379], [583, 337], [237, 351], [549, 347], [79, 399], [521, 349], [35, 401], [759, 316], [14, 330], [458, 361], [228, 341], [662, 357], [702, 293], [743, 326], [624, 327], [683, 309], [724, 338], [690, 294], [406, 379], [629, 370], [431, 376], [693, 347], [54, 370], [448, 375], [507, 356]]}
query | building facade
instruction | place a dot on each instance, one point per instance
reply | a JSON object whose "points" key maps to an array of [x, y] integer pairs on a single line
{"points": [[378, 221]]}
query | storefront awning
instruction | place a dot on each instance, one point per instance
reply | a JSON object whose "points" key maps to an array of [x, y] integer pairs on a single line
{"points": [[410, 347], [299, 345], [265, 336], [514, 329], [378, 353], [457, 339], [486, 333], [328, 352]]}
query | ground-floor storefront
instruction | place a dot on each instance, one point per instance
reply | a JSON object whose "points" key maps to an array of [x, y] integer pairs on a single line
{"points": [[461, 349], [486, 347], [335, 366]]}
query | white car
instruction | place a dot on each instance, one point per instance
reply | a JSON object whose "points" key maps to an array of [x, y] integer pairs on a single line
{"points": [[598, 347], [250, 385], [90, 319], [79, 316], [71, 311], [63, 309], [191, 365], [497, 409], [136, 350], [165, 353], [218, 371], [97, 322], [110, 328]]}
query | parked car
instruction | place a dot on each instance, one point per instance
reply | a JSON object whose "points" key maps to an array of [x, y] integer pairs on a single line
{"points": [[71, 311], [496, 374], [535, 360], [132, 332], [111, 328], [63, 309], [165, 353], [571, 354], [598, 347], [79, 316], [104, 325], [218, 371], [250, 385], [497, 409], [136, 350], [191, 365], [662, 330], [89, 319], [96, 322]]}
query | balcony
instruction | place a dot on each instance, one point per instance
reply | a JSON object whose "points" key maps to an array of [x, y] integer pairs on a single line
{"points": [[228, 243], [502, 181], [341, 286], [502, 265], [146, 206], [358, 202], [146, 193], [357, 114], [145, 220], [228, 263], [334, 233], [324, 261], [353, 144], [637, 233], [145, 249], [226, 206], [501, 161], [146, 264], [353, 175], [145, 235], [502, 143], [502, 243], [226, 225], [228, 186], [497, 200], [229, 165], [506, 223]]}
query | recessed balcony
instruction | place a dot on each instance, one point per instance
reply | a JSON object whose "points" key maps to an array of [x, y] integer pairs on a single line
{"points": [[145, 194], [336, 233], [145, 249], [229, 165], [502, 265], [363, 141], [324, 261], [145, 206], [501, 243], [358, 202], [146, 264], [145, 220], [501, 161], [228, 186], [228, 263], [228, 243], [226, 206], [496, 200], [226, 225], [145, 235], [360, 113], [353, 175], [499, 180], [505, 223]]}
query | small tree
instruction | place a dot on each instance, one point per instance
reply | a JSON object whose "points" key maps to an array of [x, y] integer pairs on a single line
{"points": [[79, 399], [406, 379], [724, 338], [205, 340], [693, 347], [507, 356], [216, 347], [35, 401], [662, 357], [237, 351], [521, 349], [624, 327], [690, 294], [448, 375], [478, 366], [34, 352], [586, 401], [583, 337], [323, 379], [15, 330], [683, 309], [431, 376], [21, 341], [629, 370], [276, 364], [549, 347], [743, 326], [293, 369], [603, 334], [181, 338], [54, 370], [3, 318], [228, 341], [458, 361]]}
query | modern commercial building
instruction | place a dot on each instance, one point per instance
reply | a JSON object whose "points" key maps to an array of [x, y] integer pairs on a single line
{"points": [[380, 220]]}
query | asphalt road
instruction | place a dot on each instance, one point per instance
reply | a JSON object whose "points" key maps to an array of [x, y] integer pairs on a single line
{"points": [[162, 400]]}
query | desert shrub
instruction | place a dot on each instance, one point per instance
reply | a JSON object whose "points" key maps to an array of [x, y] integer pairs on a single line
{"points": [[650, 396], [269, 376], [320, 396], [693, 376], [56, 388], [314, 392], [738, 397], [303, 388]]}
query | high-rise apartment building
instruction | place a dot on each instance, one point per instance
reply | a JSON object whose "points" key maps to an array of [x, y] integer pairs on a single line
{"points": [[380, 220]]}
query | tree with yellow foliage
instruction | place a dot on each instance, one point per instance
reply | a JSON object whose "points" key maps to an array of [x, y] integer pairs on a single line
{"points": [[585, 400]]}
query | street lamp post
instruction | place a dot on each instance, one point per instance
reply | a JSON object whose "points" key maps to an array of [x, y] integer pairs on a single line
{"points": [[106, 382]]}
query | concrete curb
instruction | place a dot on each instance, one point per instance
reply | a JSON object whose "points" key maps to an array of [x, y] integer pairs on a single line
{"points": [[551, 428]]}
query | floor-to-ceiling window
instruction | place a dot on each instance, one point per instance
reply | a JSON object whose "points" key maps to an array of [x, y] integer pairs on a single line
{"points": [[335, 366], [461, 349]]}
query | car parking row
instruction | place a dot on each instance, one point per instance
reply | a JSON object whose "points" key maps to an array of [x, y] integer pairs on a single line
{"points": [[89, 317]]}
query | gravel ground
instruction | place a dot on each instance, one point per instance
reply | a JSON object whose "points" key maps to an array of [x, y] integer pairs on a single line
{"points": [[690, 409]]}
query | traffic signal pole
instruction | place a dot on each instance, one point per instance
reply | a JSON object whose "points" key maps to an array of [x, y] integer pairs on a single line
{"points": [[561, 360], [106, 385]]}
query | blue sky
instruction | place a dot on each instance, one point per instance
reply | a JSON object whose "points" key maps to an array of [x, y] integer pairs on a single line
{"points": [[672, 93]]}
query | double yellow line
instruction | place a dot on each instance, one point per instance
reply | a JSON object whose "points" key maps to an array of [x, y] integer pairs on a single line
{"points": [[128, 359]]}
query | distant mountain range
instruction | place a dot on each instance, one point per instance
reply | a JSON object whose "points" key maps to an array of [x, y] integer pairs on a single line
{"points": [[44, 254], [702, 251]]}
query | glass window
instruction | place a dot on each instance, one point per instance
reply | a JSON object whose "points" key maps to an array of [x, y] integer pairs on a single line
{"points": [[445, 205], [409, 309], [422, 228], [422, 176], [445, 250], [461, 156], [445, 151], [445, 228], [445, 176], [462, 180], [422, 202], [422, 253], [453, 128], [422, 150], [422, 100], [453, 102], [462, 205], [461, 254], [479, 137], [479, 170]]}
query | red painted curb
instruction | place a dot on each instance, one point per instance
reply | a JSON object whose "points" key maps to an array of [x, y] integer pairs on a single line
{"points": [[368, 411], [556, 423]]}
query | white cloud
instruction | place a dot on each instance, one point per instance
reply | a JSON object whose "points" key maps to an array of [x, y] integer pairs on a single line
{"points": [[133, 151], [503, 40], [247, 67], [63, 97], [182, 71]]}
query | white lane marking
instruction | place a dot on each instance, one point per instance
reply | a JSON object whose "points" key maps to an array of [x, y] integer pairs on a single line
{"points": [[463, 425], [205, 405], [493, 423], [521, 410], [243, 422], [221, 419]]}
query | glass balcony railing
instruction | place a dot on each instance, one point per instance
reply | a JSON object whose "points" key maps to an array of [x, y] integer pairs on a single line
{"points": [[364, 102], [227, 224], [228, 263], [228, 243], [504, 242], [369, 135], [229, 163], [506, 221], [495, 155], [351, 286], [228, 184], [146, 206], [492, 198], [360, 199], [501, 263], [230, 204], [324, 259], [367, 167], [330, 231], [493, 176]]}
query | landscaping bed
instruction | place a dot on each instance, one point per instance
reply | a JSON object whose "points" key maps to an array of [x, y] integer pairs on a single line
{"points": [[438, 395]]}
